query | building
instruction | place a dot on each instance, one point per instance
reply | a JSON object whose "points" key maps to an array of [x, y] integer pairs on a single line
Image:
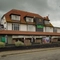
{"points": [[24, 21], [24, 26]]}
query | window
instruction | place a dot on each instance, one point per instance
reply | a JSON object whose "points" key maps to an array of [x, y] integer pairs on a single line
{"points": [[54, 29], [47, 22], [31, 28], [40, 20], [23, 27], [1, 27], [15, 26], [15, 17], [29, 19]]}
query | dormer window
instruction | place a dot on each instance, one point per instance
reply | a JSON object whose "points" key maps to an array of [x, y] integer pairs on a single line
{"points": [[47, 22], [15, 17], [29, 19], [39, 21]]}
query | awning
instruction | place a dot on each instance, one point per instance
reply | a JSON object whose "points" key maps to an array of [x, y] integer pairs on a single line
{"points": [[27, 36]]}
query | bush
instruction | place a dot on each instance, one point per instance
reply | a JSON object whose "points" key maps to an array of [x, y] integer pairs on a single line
{"points": [[2, 44], [19, 43]]}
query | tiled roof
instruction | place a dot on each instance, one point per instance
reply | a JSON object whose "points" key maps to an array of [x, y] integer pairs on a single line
{"points": [[46, 18], [22, 13], [49, 25], [10, 32]]}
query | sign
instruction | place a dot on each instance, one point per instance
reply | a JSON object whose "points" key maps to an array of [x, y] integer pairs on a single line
{"points": [[45, 39], [3, 39], [40, 26]]}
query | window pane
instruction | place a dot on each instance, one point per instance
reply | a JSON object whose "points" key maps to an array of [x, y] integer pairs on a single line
{"points": [[28, 19], [15, 17], [31, 28], [15, 26], [47, 22]]}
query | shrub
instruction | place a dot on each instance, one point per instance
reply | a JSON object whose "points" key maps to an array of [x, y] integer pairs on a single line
{"points": [[19, 43], [2, 44]]}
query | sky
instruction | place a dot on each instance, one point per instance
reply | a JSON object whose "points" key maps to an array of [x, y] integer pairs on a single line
{"points": [[44, 8]]}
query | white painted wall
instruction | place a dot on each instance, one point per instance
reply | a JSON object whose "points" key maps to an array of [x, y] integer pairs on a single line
{"points": [[23, 27], [5, 26], [58, 30], [27, 27], [9, 26], [48, 29], [44, 29], [3, 21]]}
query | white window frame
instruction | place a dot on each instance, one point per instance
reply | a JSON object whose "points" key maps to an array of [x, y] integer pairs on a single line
{"points": [[15, 26], [15, 17], [47, 22], [29, 19], [30, 28]]}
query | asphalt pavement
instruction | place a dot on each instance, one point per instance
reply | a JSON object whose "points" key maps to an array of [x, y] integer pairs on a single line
{"points": [[33, 54]]}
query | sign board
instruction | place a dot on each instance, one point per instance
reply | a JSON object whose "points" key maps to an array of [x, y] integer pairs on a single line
{"points": [[3, 39], [40, 26]]}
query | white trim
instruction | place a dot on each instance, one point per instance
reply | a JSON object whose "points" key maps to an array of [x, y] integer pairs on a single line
{"points": [[27, 36], [29, 19], [15, 17]]}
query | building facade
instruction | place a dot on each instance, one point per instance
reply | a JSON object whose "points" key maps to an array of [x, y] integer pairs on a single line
{"points": [[26, 21], [22, 21]]}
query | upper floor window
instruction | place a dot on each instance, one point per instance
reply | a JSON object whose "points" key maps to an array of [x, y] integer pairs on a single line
{"points": [[54, 29], [15, 17], [39, 21], [47, 22], [15, 26], [29, 19], [31, 28]]}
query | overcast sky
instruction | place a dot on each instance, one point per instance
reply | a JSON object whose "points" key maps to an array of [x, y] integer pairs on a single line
{"points": [[42, 7]]}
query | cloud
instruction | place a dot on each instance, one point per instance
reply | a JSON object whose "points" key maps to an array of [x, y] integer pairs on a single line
{"points": [[29, 5], [42, 7], [36, 6]]}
